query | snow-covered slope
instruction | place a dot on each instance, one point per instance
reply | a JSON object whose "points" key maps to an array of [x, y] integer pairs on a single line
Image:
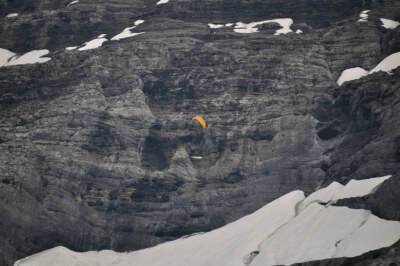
{"points": [[387, 65], [126, 33], [321, 232], [275, 234], [351, 74], [8, 58], [93, 44]]}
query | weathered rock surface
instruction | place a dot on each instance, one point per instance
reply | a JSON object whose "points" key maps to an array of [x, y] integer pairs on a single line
{"points": [[96, 145]]}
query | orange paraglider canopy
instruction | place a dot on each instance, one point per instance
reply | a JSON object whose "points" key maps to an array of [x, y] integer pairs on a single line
{"points": [[200, 120]]}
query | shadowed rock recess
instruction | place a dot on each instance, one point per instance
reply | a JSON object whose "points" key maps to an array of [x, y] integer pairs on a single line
{"points": [[98, 149]]}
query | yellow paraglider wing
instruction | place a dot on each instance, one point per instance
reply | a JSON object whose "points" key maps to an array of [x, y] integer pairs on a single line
{"points": [[200, 120]]}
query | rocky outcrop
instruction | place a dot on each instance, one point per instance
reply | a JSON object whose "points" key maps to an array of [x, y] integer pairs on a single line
{"points": [[96, 146]]}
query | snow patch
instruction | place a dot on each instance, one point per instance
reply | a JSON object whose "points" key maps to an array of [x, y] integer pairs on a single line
{"points": [[73, 2], [388, 64], [71, 48], [126, 33], [5, 56], [351, 74], [12, 15], [162, 2], [363, 16], [389, 24], [215, 26], [138, 22], [196, 157], [285, 23], [93, 44], [299, 31], [31, 57]]}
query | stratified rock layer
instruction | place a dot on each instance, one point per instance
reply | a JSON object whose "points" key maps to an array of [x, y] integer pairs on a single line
{"points": [[98, 149]]}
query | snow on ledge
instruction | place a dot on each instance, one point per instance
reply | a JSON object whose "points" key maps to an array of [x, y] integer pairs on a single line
{"points": [[73, 2], [162, 2], [388, 64], [285, 23], [363, 16], [215, 26], [12, 15], [93, 44], [389, 24], [71, 48], [8, 58], [138, 22], [351, 74], [126, 33], [5, 56]]}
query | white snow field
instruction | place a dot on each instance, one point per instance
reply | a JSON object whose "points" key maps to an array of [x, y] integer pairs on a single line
{"points": [[8, 58], [363, 16], [12, 15], [351, 74], [389, 24], [387, 65], [5, 56], [285, 23], [93, 44], [321, 232], [162, 2], [71, 48], [126, 33], [277, 232]]}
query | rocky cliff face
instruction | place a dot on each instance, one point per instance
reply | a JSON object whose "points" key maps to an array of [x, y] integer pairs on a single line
{"points": [[98, 149]]}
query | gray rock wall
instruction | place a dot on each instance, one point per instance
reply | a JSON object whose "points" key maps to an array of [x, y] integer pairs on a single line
{"points": [[96, 146]]}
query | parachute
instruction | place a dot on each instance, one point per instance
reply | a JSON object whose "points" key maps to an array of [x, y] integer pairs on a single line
{"points": [[200, 120]]}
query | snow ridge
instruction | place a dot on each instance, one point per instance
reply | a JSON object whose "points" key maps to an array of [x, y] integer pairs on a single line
{"points": [[8, 58], [387, 65]]}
